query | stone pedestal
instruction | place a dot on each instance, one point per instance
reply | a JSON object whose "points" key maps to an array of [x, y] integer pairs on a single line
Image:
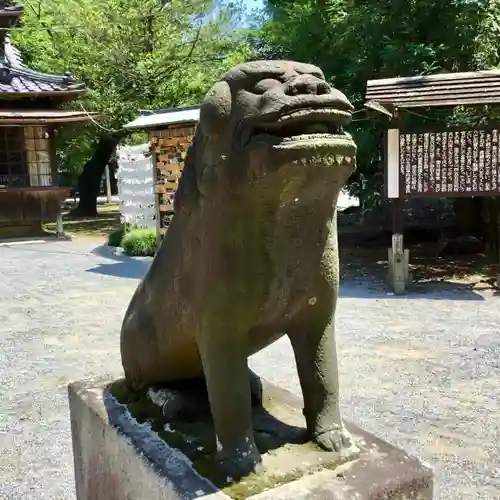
{"points": [[117, 458]]}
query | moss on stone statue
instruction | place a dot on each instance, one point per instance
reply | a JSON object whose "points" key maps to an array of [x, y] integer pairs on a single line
{"points": [[197, 441]]}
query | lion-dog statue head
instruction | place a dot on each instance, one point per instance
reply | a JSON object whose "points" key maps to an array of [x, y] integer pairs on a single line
{"points": [[264, 116]]}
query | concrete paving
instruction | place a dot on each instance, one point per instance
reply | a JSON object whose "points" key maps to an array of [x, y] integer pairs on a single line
{"points": [[421, 371]]}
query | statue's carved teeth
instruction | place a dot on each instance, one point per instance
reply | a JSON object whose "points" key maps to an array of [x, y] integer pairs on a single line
{"points": [[348, 159], [329, 160], [339, 159]]}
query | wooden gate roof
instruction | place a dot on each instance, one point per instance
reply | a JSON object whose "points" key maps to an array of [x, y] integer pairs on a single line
{"points": [[440, 90]]}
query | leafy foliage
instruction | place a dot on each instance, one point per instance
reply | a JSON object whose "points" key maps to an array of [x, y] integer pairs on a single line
{"points": [[132, 54], [140, 242], [115, 237]]}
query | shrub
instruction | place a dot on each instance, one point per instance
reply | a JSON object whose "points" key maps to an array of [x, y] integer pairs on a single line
{"points": [[140, 242], [115, 237]]}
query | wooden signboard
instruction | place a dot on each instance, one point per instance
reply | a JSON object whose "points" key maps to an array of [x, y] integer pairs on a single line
{"points": [[445, 163]]}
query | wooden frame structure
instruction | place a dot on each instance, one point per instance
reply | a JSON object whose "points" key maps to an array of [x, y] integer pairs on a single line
{"points": [[434, 161], [171, 132], [30, 114]]}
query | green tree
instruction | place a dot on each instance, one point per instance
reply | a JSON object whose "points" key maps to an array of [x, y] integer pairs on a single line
{"points": [[132, 54]]}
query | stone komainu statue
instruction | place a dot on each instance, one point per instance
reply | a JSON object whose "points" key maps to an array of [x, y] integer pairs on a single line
{"points": [[251, 253]]}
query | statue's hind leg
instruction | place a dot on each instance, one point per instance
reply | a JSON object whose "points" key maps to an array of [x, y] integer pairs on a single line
{"points": [[316, 356], [139, 351]]}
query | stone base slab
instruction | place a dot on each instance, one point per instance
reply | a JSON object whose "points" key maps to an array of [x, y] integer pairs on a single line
{"points": [[117, 458]]}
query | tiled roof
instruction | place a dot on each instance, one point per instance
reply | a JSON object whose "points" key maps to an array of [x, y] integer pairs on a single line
{"points": [[22, 84], [448, 89]]}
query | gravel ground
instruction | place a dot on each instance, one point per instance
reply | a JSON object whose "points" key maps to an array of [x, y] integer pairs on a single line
{"points": [[421, 371]]}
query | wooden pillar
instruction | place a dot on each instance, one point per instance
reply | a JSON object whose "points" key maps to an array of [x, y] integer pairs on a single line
{"points": [[398, 256], [497, 221], [108, 184], [59, 225], [153, 140], [398, 276], [52, 131]]}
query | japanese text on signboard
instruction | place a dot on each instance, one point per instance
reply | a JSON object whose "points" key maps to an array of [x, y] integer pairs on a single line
{"points": [[449, 163]]}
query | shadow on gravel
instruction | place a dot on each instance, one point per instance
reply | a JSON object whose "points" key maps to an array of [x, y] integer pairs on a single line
{"points": [[366, 289], [135, 268], [122, 267]]}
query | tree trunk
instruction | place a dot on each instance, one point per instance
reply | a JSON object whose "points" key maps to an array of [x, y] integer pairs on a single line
{"points": [[113, 169], [89, 181], [490, 217]]}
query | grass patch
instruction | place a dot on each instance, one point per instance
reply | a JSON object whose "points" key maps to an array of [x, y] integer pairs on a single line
{"points": [[115, 237], [140, 242]]}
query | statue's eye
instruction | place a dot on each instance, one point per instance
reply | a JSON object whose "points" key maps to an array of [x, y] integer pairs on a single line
{"points": [[265, 85]]}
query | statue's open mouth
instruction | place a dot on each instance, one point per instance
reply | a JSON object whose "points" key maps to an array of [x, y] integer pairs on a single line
{"points": [[303, 127], [303, 122]]}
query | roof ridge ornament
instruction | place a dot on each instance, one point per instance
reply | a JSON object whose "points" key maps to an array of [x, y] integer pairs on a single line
{"points": [[68, 78]]}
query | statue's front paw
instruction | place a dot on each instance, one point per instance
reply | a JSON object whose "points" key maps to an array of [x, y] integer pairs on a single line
{"points": [[241, 463], [338, 439]]}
